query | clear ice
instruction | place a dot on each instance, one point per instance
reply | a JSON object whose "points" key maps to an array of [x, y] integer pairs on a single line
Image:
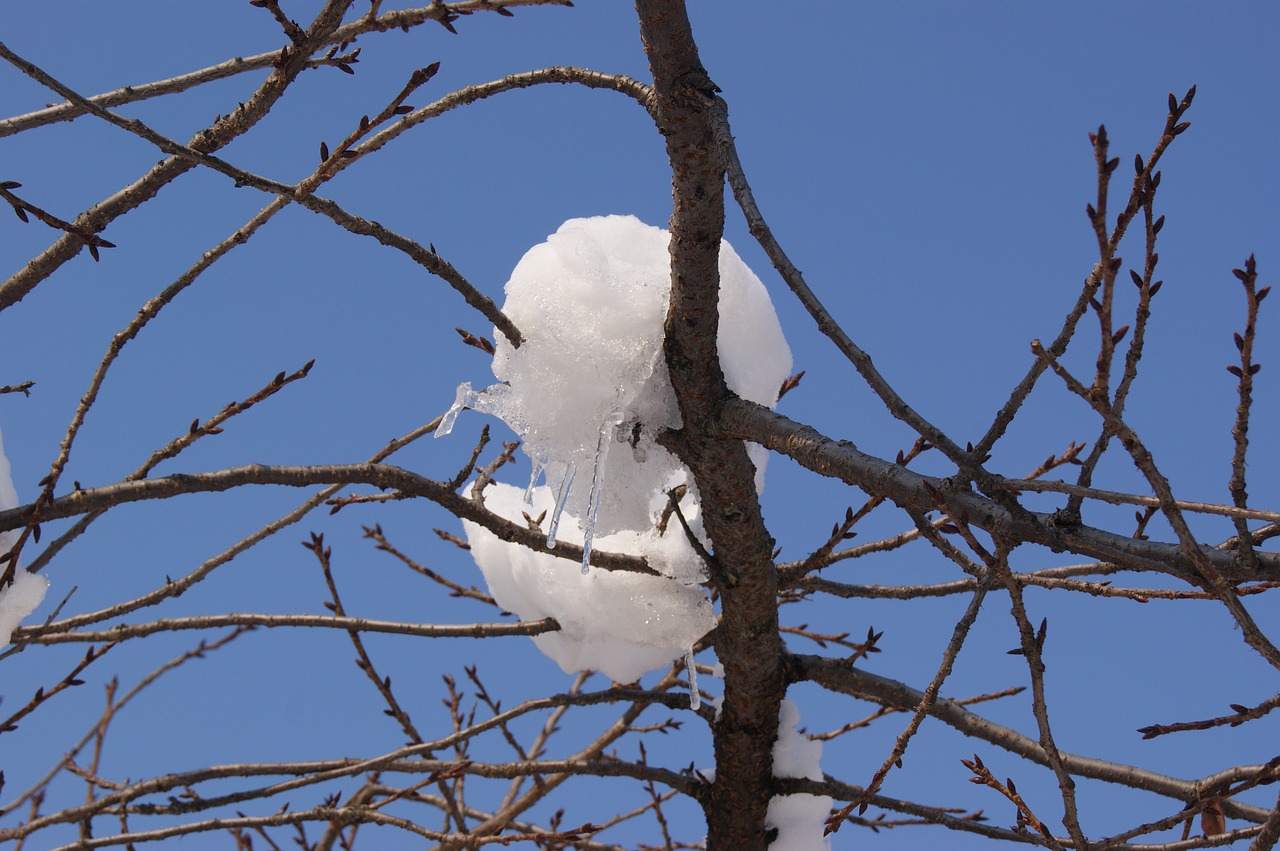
{"points": [[493, 400], [451, 415], [562, 494], [603, 439], [695, 699], [538, 468]]}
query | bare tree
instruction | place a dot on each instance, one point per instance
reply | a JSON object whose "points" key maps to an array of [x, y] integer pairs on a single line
{"points": [[484, 773]]}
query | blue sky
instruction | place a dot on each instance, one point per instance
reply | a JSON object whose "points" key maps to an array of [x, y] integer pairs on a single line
{"points": [[926, 164]]}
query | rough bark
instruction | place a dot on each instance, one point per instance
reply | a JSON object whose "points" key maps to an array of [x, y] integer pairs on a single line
{"points": [[747, 643]]}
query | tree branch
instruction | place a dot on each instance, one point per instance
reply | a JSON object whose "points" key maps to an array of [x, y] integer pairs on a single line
{"points": [[912, 491], [212, 138], [52, 635], [382, 476], [835, 675]]}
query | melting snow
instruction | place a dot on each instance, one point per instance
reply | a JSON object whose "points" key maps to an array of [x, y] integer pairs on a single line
{"points": [[621, 624], [21, 598], [800, 819], [591, 302]]}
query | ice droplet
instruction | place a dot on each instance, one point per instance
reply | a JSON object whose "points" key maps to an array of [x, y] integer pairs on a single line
{"points": [[603, 439], [695, 699]]}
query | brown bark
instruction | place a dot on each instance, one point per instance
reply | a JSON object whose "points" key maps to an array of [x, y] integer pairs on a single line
{"points": [[748, 643]]}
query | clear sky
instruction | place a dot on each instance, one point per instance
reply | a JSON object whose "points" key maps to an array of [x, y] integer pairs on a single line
{"points": [[926, 164]]}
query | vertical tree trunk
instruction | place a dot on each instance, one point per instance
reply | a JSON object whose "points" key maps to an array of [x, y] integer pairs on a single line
{"points": [[748, 643]]}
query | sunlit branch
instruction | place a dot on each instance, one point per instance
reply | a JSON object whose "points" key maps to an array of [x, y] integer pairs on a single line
{"points": [[1117, 498], [221, 133], [833, 674], [383, 476], [911, 490], [240, 64], [47, 635]]}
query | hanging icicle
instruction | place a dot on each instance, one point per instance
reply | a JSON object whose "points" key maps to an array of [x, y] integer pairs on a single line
{"points": [[603, 439], [695, 699]]}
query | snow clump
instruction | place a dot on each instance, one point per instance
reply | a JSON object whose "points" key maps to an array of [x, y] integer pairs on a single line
{"points": [[618, 623], [27, 591], [590, 374], [800, 819], [589, 385]]}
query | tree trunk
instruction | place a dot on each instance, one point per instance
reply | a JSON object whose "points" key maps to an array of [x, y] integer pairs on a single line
{"points": [[747, 643]]}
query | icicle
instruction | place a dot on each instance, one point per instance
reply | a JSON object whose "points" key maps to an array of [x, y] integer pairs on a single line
{"points": [[597, 482], [695, 699], [491, 400], [460, 400], [538, 468], [562, 493]]}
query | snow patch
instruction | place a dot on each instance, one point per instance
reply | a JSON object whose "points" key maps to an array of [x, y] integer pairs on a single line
{"points": [[27, 591], [19, 600], [800, 819], [621, 624]]}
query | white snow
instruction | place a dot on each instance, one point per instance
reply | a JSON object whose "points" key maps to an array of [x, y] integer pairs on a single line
{"points": [[21, 598], [588, 392], [621, 624], [591, 301], [800, 819]]}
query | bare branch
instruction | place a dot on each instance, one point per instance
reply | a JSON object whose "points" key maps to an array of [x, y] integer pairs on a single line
{"points": [[52, 635], [843, 461], [382, 476], [212, 138], [836, 676]]}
